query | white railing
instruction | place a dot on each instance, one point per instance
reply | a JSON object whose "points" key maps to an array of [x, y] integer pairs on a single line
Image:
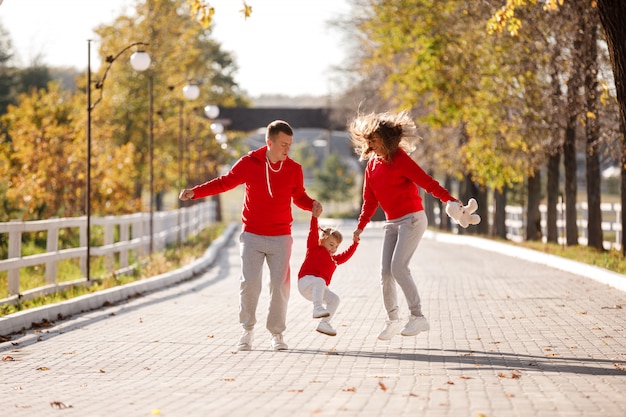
{"points": [[171, 226], [611, 223], [133, 237]]}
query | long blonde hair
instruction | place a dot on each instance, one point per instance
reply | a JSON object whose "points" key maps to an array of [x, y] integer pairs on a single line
{"points": [[396, 130]]}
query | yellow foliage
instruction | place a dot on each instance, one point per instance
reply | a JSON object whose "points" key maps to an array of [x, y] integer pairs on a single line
{"points": [[204, 12]]}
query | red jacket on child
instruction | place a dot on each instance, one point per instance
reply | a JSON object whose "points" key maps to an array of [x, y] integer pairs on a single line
{"points": [[318, 261]]}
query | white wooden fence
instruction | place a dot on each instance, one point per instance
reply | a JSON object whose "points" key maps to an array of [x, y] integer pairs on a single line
{"points": [[170, 226], [611, 223], [133, 236]]}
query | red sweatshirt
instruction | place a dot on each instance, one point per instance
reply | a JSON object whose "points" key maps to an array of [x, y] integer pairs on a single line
{"points": [[318, 261], [395, 186], [267, 201]]}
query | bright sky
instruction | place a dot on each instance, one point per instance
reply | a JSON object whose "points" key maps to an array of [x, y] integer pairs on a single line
{"points": [[57, 30]]}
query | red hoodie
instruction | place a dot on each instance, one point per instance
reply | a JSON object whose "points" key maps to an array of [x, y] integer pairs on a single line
{"points": [[267, 201], [318, 261], [395, 186]]}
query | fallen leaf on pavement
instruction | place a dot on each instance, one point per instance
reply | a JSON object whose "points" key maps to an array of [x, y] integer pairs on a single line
{"points": [[58, 404]]}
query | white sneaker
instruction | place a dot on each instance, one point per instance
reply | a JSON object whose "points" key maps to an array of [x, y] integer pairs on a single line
{"points": [[415, 325], [278, 343], [319, 312], [245, 341], [326, 328], [392, 328]]}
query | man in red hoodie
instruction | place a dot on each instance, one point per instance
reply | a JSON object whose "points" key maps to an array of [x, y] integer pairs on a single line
{"points": [[273, 181]]}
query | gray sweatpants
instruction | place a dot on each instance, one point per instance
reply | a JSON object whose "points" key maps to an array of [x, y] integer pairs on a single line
{"points": [[401, 238], [276, 251]]}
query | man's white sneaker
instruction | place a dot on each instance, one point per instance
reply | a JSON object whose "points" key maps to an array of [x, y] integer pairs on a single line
{"points": [[319, 312], [278, 343], [415, 325], [326, 328], [392, 328], [245, 341]]}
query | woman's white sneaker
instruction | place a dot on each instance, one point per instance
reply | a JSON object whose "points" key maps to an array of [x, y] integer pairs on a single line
{"points": [[392, 328], [415, 325]]}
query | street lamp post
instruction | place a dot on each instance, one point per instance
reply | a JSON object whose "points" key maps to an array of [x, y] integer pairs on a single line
{"points": [[191, 91], [151, 153], [212, 112], [140, 61]]}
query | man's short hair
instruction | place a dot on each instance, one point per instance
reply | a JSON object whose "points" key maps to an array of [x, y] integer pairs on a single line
{"points": [[276, 127]]}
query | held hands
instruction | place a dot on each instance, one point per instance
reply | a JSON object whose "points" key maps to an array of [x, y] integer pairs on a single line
{"points": [[186, 194], [317, 209], [356, 236]]}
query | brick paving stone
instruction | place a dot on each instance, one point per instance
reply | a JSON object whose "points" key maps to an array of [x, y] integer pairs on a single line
{"points": [[508, 337]]}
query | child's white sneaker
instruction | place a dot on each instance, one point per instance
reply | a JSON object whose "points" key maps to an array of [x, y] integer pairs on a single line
{"points": [[415, 325], [326, 328], [392, 328], [319, 312]]}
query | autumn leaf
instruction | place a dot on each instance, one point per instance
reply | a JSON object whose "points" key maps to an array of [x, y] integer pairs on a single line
{"points": [[382, 386], [43, 368], [246, 11], [59, 405]]}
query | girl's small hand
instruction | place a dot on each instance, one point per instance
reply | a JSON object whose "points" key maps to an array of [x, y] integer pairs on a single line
{"points": [[356, 236]]}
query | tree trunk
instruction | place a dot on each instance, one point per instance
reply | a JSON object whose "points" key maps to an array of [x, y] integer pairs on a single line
{"points": [[469, 189], [446, 224], [499, 214], [612, 16], [483, 210], [429, 206], [569, 145], [623, 188], [533, 215], [552, 191], [594, 213], [554, 153]]}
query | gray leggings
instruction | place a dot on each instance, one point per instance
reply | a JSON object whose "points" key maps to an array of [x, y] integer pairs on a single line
{"points": [[401, 238], [276, 251]]}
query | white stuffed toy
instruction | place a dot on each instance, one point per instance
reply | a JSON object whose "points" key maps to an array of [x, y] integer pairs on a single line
{"points": [[463, 215]]}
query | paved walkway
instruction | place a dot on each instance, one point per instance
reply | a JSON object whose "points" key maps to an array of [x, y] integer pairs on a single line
{"points": [[508, 337]]}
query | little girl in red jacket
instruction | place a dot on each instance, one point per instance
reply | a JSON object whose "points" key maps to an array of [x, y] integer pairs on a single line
{"points": [[317, 270]]}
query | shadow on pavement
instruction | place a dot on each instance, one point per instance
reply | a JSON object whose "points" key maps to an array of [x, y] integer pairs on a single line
{"points": [[467, 360]]}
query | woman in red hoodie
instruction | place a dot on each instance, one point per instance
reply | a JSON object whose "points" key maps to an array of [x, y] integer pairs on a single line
{"points": [[273, 181], [392, 180], [317, 270]]}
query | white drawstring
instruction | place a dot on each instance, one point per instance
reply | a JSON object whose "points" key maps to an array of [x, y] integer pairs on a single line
{"points": [[267, 173], [267, 178]]}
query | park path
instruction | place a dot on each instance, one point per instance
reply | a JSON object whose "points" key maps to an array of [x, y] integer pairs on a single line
{"points": [[508, 337]]}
